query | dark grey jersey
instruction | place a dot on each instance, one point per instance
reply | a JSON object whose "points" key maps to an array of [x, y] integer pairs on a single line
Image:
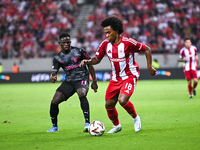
{"points": [[70, 64]]}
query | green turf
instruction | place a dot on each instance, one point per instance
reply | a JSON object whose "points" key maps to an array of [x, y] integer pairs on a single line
{"points": [[170, 120]]}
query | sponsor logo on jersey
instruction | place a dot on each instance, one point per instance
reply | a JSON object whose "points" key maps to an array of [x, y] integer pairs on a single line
{"points": [[72, 67], [118, 59]]}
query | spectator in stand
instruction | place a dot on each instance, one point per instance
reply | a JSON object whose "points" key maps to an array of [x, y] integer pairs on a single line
{"points": [[155, 64], [43, 19], [1, 67], [34, 21], [15, 68], [171, 18]]}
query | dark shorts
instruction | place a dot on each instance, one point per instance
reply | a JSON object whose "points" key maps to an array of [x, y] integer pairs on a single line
{"points": [[69, 88]]}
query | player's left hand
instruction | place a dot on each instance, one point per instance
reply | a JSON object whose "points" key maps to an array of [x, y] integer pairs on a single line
{"points": [[53, 78], [152, 71], [94, 86], [83, 63]]}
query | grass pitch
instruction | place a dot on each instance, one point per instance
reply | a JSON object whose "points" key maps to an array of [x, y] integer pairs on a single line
{"points": [[170, 120]]}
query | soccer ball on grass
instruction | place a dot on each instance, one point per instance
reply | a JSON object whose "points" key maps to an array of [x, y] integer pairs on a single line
{"points": [[96, 128]]}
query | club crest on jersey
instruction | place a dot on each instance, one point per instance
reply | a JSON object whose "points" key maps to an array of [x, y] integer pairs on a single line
{"points": [[120, 51], [75, 59]]}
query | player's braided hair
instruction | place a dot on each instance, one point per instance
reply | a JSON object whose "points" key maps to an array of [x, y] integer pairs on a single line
{"points": [[115, 23], [64, 34]]}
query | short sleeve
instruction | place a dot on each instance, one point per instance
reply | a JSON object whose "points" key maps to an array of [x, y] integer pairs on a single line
{"points": [[136, 46], [84, 54], [56, 65], [100, 53]]}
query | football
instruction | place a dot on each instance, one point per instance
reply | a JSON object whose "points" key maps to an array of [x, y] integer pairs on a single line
{"points": [[96, 128]]}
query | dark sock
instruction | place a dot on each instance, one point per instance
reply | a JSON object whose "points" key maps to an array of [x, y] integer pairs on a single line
{"points": [[85, 108], [54, 110]]}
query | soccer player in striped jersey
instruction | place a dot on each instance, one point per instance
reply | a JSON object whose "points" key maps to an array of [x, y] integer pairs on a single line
{"points": [[188, 55], [125, 71]]}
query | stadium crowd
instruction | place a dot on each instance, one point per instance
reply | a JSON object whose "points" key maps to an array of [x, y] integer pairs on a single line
{"points": [[29, 29], [161, 24]]}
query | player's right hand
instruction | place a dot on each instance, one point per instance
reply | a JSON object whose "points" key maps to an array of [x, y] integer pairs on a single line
{"points": [[94, 86], [152, 71], [53, 79]]}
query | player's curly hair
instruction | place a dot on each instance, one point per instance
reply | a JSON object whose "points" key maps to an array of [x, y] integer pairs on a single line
{"points": [[115, 23], [64, 34], [187, 38]]}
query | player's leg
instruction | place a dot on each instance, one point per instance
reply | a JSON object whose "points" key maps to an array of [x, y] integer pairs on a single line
{"points": [[111, 100], [190, 88], [127, 89], [113, 115], [188, 76], [82, 90], [54, 109], [112, 111], [63, 92], [195, 83], [125, 93], [129, 107]]}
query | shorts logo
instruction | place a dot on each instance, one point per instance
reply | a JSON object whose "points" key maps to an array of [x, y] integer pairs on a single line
{"points": [[83, 82], [127, 91]]}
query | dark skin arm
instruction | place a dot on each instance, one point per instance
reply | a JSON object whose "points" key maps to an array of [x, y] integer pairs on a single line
{"points": [[93, 61], [94, 85], [53, 76], [183, 59], [152, 71]]}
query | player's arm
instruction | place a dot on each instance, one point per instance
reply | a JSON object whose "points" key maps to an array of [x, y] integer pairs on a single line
{"points": [[53, 76], [55, 68], [94, 85], [183, 59], [148, 55], [93, 61], [196, 59]]}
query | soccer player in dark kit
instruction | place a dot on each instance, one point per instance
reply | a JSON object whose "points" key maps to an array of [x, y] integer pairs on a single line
{"points": [[76, 79]]}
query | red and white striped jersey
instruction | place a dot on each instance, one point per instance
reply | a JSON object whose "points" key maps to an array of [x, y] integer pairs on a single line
{"points": [[190, 54], [121, 57]]}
